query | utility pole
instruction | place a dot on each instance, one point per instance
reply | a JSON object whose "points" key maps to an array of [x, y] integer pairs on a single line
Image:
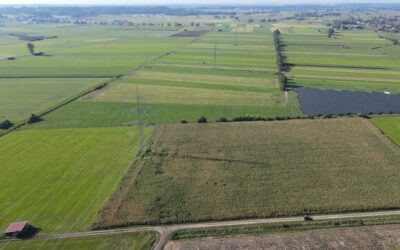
{"points": [[140, 123]]}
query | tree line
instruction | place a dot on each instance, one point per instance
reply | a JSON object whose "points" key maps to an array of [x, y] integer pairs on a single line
{"points": [[279, 59]]}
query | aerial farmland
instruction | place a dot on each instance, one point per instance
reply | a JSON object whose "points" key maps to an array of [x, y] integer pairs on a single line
{"points": [[143, 127]]}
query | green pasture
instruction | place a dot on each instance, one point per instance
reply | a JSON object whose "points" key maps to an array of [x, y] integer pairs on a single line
{"points": [[390, 126], [217, 79], [58, 179], [106, 114], [20, 97], [81, 51], [127, 241]]}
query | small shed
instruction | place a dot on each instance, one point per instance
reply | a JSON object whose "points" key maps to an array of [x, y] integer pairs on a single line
{"points": [[17, 228]]}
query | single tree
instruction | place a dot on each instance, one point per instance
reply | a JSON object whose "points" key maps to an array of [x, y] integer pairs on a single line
{"points": [[31, 48], [331, 31]]}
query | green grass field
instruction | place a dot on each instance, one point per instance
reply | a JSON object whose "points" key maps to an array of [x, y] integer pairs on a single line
{"points": [[260, 169], [59, 178], [76, 170], [350, 60], [82, 51], [20, 97], [79, 58], [189, 82], [128, 241], [390, 126]]}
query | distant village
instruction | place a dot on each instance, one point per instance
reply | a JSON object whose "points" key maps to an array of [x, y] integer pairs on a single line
{"points": [[382, 24]]}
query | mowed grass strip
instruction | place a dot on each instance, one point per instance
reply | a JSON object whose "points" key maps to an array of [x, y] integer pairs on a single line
{"points": [[108, 114], [390, 126], [185, 95], [197, 85], [59, 178], [204, 172], [127, 241], [197, 78]]}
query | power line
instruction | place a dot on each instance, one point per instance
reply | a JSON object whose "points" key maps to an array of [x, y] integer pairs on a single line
{"points": [[215, 53], [236, 38], [140, 123]]}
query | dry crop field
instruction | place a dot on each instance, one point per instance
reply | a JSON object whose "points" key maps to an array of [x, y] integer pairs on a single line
{"points": [[374, 237], [219, 171]]}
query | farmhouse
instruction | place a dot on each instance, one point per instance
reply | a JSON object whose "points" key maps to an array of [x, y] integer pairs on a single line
{"points": [[17, 229]]}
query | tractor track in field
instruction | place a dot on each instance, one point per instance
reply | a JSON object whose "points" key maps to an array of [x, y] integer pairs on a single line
{"points": [[167, 230]]}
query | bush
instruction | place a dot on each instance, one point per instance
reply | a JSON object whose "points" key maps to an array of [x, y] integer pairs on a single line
{"points": [[202, 119], [184, 121], [34, 119], [6, 124], [363, 116], [222, 119]]}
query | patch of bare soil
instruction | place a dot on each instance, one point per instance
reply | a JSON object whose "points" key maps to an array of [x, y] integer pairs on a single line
{"points": [[373, 237]]}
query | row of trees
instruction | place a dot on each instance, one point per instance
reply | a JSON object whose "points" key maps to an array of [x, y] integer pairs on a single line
{"points": [[248, 118], [279, 59], [395, 41]]}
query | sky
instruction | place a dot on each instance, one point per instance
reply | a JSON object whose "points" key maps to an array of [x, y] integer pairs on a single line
{"points": [[165, 2]]}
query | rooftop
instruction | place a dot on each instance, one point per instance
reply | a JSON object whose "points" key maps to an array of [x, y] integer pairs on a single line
{"points": [[16, 227]]}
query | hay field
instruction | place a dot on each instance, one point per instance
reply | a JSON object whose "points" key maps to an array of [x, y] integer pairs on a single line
{"points": [[262, 169], [59, 178]]}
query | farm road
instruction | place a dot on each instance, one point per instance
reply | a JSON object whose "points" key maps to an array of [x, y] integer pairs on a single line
{"points": [[166, 231]]}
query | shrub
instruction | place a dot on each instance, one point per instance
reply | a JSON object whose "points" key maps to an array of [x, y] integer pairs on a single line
{"points": [[6, 124], [33, 118], [184, 121], [363, 116], [222, 119], [202, 119]]}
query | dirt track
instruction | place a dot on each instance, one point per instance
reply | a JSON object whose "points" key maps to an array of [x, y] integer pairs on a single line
{"points": [[166, 231]]}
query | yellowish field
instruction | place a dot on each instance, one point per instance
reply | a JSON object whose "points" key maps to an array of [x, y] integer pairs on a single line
{"points": [[182, 95], [202, 172], [367, 238], [217, 79]]}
